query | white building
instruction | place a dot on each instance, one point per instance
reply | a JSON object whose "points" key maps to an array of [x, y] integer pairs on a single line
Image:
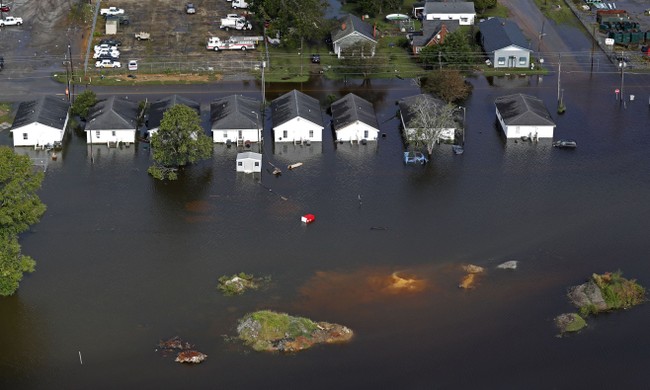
{"points": [[237, 119], [296, 118], [463, 12], [113, 120], [407, 116], [354, 119], [249, 162], [354, 36], [41, 122], [504, 43], [524, 116]]}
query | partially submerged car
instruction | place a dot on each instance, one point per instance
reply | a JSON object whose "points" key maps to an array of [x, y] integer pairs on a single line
{"points": [[415, 158], [565, 144]]}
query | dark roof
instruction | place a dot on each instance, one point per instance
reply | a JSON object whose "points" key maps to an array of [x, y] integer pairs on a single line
{"points": [[349, 24], [48, 110], [430, 28], [293, 104], [434, 7], [235, 112], [498, 33], [406, 104], [113, 114], [524, 110], [158, 108], [351, 108]]}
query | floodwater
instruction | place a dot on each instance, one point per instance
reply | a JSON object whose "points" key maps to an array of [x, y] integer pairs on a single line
{"points": [[124, 261]]}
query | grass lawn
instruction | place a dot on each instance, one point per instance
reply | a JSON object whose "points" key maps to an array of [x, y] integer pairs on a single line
{"points": [[557, 11], [5, 112]]}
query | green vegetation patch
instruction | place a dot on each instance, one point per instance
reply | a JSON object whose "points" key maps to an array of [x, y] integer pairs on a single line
{"points": [[237, 284], [5, 112], [618, 292], [558, 11], [261, 330], [570, 322]]}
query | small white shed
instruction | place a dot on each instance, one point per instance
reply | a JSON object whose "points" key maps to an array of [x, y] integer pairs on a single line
{"points": [[249, 162], [111, 26]]}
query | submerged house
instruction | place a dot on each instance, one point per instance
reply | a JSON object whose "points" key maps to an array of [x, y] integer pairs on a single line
{"points": [[158, 108], [353, 33], [249, 162], [524, 116], [41, 122], [504, 43], [296, 117], [407, 116], [113, 120], [236, 118], [354, 119]]}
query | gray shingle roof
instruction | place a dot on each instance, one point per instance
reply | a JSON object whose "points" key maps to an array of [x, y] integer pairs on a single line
{"points": [[113, 114], [498, 33], [523, 110], [293, 104], [406, 104], [48, 110], [351, 108], [158, 108], [349, 24], [430, 28], [434, 7], [235, 112]]}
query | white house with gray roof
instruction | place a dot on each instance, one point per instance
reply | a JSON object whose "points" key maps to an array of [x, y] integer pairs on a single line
{"points": [[524, 116], [462, 11], [504, 43], [236, 119], [353, 33], [113, 120], [158, 108], [40, 122], [296, 117], [354, 119]]}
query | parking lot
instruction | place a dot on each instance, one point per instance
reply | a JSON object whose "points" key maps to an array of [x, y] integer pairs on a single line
{"points": [[178, 39]]}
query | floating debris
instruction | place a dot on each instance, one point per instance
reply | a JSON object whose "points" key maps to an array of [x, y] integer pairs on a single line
{"points": [[237, 284], [190, 357], [294, 166], [512, 264], [469, 280], [186, 352], [308, 218], [174, 343]]}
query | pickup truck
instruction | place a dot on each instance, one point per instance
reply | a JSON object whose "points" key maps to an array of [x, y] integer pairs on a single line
{"points": [[239, 4], [111, 11], [216, 44], [237, 24], [11, 21], [142, 36]]}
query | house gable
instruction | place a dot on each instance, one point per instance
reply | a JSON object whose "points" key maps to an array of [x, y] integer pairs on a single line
{"points": [[497, 33], [352, 108], [235, 112]]}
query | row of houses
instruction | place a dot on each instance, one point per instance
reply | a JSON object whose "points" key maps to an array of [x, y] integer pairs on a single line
{"points": [[502, 40], [295, 117]]}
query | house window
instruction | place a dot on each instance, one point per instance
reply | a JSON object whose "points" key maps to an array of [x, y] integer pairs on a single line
{"points": [[522, 61], [285, 134], [257, 164], [464, 20], [365, 134], [501, 60], [97, 134], [311, 133], [113, 133], [225, 134], [25, 136], [240, 164]]}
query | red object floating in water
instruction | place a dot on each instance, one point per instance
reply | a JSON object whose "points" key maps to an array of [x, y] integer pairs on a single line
{"points": [[308, 218]]}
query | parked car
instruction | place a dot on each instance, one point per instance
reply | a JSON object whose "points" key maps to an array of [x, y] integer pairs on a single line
{"points": [[108, 64], [111, 11], [104, 46], [565, 144], [415, 158], [190, 9], [4, 8], [11, 21], [315, 58], [142, 35], [110, 41], [2, 62], [105, 52], [121, 19], [133, 65]]}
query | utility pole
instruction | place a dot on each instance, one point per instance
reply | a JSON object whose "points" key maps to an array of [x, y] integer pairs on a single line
{"points": [[593, 46], [440, 60], [559, 75], [67, 76], [71, 73], [621, 65], [539, 40]]}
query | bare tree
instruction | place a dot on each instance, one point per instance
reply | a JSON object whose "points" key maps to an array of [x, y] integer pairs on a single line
{"points": [[429, 118]]}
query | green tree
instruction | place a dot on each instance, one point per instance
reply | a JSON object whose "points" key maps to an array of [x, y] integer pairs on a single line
{"points": [[448, 84], [484, 4], [21, 207], [454, 52], [83, 102], [292, 19], [429, 118], [379, 7], [179, 141]]}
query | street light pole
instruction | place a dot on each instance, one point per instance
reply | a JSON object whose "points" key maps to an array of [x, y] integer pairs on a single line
{"points": [[464, 125], [259, 131]]}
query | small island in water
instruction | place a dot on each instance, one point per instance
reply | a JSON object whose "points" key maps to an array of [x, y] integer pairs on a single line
{"points": [[271, 331]]}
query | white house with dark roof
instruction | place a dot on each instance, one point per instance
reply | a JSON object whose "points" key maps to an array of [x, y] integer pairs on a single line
{"points": [[524, 116], [407, 116], [40, 122], [354, 119], [461, 11], [296, 117], [113, 120], [504, 43], [352, 32], [237, 119], [158, 108]]}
